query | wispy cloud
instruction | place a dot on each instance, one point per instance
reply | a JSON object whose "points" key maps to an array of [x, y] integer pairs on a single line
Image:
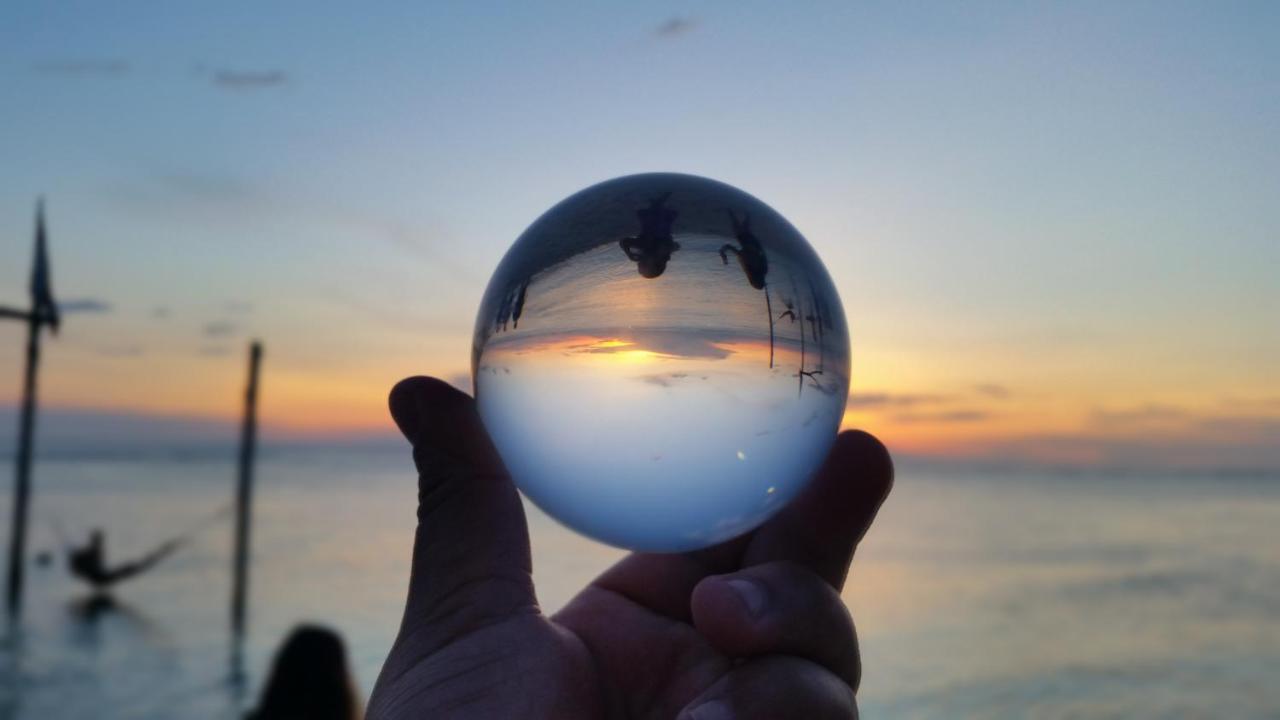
{"points": [[675, 26], [120, 351], [394, 312], [424, 242], [1149, 413], [1262, 429], [946, 416], [219, 329], [1237, 403], [218, 199], [665, 379], [1142, 437], [249, 79], [1249, 424], [84, 305], [82, 67], [1247, 454], [886, 400], [992, 390], [215, 189], [925, 407]]}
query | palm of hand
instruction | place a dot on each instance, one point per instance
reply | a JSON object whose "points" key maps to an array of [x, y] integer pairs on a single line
{"points": [[538, 667]]}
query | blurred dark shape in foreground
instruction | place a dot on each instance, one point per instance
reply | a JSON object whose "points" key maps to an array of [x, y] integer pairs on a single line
{"points": [[309, 679]]}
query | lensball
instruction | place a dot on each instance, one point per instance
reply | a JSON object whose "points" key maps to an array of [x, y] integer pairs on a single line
{"points": [[662, 362]]}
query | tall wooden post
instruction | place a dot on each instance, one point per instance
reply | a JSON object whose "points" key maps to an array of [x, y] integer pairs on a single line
{"points": [[244, 496], [43, 312], [22, 471]]}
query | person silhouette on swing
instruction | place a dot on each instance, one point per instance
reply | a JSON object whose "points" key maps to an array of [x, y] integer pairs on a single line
{"points": [[89, 563]]}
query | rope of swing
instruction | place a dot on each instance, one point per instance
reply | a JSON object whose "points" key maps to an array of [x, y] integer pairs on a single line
{"points": [[196, 528]]}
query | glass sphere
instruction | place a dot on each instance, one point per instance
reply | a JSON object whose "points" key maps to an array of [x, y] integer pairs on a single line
{"points": [[662, 362]]}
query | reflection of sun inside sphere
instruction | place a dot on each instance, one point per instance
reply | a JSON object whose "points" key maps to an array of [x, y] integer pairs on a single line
{"points": [[662, 362]]}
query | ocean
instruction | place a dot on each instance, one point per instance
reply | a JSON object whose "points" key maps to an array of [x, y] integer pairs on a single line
{"points": [[1005, 595]]}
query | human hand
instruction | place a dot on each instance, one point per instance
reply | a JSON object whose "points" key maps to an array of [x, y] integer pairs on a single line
{"points": [[751, 628]]}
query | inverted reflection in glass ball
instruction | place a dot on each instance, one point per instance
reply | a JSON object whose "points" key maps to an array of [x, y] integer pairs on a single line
{"points": [[662, 362]]}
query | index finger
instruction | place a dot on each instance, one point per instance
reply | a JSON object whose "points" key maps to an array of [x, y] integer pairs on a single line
{"points": [[820, 528]]}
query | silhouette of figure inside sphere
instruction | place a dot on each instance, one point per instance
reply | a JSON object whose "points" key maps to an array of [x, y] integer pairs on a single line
{"points": [[750, 253], [653, 247]]}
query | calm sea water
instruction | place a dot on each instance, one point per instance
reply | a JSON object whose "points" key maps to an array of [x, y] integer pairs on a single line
{"points": [[975, 596]]}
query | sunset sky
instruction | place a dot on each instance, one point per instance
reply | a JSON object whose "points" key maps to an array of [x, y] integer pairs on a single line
{"points": [[1055, 228]]}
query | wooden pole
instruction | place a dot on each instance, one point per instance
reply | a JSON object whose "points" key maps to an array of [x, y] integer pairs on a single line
{"points": [[768, 307], [44, 311], [22, 471], [244, 497]]}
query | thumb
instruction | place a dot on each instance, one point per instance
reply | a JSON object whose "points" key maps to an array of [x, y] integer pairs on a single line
{"points": [[471, 562]]}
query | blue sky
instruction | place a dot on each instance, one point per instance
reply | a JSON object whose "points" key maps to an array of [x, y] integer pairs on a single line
{"points": [[1074, 202]]}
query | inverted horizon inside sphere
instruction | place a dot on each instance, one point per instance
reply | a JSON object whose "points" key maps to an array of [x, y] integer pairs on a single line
{"points": [[662, 361]]}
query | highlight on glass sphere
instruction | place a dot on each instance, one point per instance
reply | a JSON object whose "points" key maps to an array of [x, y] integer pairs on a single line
{"points": [[662, 362]]}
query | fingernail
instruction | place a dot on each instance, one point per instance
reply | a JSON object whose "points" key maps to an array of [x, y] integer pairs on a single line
{"points": [[751, 594], [711, 710]]}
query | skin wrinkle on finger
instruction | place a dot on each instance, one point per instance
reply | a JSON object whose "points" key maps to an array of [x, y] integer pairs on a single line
{"points": [[438, 485], [438, 558], [425, 631], [805, 617], [689, 666], [452, 673], [778, 687], [492, 666], [466, 607]]}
